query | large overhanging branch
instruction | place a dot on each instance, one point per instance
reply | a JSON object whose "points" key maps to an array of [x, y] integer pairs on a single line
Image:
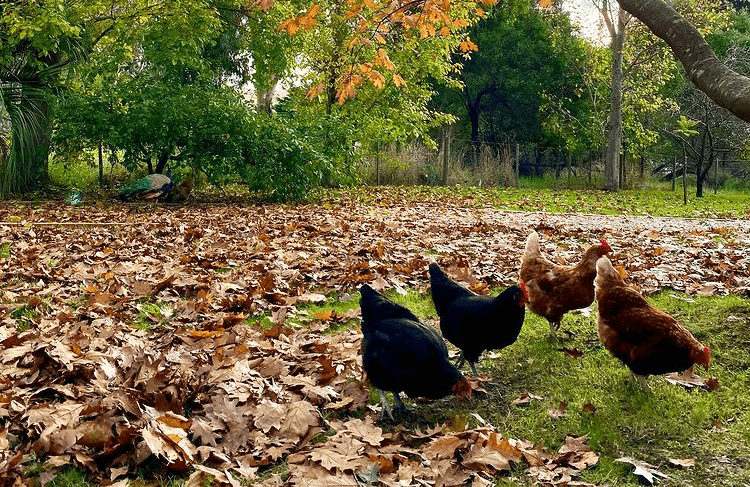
{"points": [[727, 88]]}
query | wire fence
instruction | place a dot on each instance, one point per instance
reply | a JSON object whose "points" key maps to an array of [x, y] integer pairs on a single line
{"points": [[461, 161]]}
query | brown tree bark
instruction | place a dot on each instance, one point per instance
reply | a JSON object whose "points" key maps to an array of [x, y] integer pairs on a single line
{"points": [[612, 168], [727, 88]]}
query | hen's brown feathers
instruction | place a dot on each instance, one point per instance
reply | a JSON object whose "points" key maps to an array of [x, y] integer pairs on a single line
{"points": [[645, 338], [556, 289]]}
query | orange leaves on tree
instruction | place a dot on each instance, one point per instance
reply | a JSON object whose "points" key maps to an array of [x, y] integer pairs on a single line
{"points": [[467, 46], [373, 20], [304, 22], [316, 90], [426, 30], [382, 59], [262, 4], [348, 87]]}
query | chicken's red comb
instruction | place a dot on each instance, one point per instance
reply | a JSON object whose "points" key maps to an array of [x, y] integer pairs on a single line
{"points": [[604, 243], [522, 285]]}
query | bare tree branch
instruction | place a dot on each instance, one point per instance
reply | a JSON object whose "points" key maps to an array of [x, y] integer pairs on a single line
{"points": [[724, 86]]}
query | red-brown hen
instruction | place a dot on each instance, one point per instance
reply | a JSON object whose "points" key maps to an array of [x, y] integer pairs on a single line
{"points": [[646, 339], [554, 289]]}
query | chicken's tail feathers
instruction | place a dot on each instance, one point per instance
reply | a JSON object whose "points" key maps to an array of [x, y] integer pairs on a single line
{"points": [[532, 246], [375, 306], [444, 289]]}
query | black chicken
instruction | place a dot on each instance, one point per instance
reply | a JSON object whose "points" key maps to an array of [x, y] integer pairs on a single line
{"points": [[476, 323], [402, 354]]}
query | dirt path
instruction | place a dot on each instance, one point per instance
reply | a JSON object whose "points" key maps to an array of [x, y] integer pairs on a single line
{"points": [[289, 250]]}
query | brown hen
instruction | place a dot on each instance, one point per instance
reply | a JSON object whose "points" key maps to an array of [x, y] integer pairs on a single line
{"points": [[556, 289], [646, 339]]}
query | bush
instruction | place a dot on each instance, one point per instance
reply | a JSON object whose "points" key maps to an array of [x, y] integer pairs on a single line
{"points": [[285, 160]]}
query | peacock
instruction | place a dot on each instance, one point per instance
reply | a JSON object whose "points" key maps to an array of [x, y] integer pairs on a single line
{"points": [[148, 187]]}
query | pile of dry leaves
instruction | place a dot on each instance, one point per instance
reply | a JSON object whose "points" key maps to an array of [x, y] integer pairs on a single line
{"points": [[204, 392]]}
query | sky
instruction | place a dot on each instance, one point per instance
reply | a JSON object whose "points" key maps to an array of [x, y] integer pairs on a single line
{"points": [[587, 16]]}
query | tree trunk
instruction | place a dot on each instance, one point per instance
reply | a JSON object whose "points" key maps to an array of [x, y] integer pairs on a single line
{"points": [[614, 123], [447, 135], [264, 97], [725, 87], [101, 166], [684, 176]]}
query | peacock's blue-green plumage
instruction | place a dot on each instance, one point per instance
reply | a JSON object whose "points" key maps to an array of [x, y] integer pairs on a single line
{"points": [[148, 187]]}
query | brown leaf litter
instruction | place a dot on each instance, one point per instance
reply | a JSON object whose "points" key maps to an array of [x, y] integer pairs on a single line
{"points": [[204, 392]]}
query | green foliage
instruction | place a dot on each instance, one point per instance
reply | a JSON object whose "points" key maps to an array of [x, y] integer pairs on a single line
{"points": [[526, 82], [285, 161], [25, 317], [152, 315], [70, 477]]}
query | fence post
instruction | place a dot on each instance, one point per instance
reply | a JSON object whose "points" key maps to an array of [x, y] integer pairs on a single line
{"points": [[377, 163], [447, 132], [518, 163]]}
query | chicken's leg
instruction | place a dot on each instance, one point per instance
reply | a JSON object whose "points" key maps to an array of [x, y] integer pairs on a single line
{"points": [[642, 382], [400, 407], [553, 326], [473, 368], [385, 408]]}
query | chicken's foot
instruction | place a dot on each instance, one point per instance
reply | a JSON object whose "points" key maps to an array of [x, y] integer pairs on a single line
{"points": [[385, 408], [642, 382], [400, 407]]}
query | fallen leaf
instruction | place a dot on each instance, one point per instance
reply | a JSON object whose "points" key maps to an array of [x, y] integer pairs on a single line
{"points": [[573, 352], [559, 412], [525, 399], [682, 462], [689, 380], [644, 469]]}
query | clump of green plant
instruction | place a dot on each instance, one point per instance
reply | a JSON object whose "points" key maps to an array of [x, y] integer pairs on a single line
{"points": [[5, 250], [26, 317], [334, 311], [152, 315]]}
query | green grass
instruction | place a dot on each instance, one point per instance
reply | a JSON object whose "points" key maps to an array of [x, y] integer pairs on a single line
{"points": [[653, 202], [5, 250], [25, 317], [152, 315], [712, 427]]}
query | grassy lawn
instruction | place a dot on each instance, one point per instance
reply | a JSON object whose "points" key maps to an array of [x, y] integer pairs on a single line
{"points": [[592, 392], [656, 201], [601, 400]]}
